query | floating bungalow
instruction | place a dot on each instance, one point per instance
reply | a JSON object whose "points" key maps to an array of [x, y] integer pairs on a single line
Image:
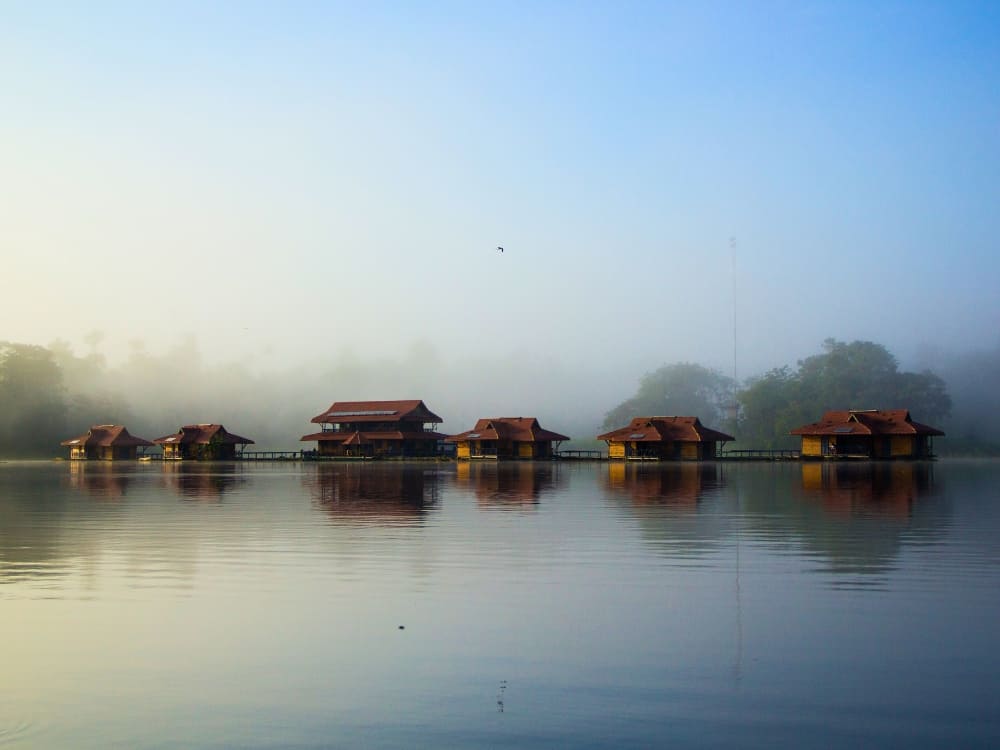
{"points": [[376, 429], [202, 442], [867, 433], [506, 438], [105, 442], [664, 439]]}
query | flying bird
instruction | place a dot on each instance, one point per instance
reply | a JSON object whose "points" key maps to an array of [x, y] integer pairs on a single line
{"points": [[499, 248]]}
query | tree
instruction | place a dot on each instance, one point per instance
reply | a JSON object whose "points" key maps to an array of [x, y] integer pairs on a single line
{"points": [[32, 401], [768, 405], [971, 379], [858, 375], [681, 389]]}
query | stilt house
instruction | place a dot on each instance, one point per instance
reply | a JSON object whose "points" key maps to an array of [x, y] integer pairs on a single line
{"points": [[664, 439], [106, 442], [202, 442], [867, 433], [506, 437], [375, 429]]}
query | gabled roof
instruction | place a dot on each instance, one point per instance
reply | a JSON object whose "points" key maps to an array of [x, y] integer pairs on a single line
{"points": [[867, 422], [520, 429], [203, 434], [665, 430], [106, 435], [350, 412], [356, 437]]}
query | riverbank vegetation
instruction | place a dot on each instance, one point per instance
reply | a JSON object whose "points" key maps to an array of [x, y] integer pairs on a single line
{"points": [[48, 393]]}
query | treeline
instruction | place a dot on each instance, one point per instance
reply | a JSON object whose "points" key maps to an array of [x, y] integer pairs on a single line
{"points": [[858, 375], [48, 394]]}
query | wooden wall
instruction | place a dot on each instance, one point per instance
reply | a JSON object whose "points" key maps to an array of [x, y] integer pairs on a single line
{"points": [[812, 445], [902, 445]]}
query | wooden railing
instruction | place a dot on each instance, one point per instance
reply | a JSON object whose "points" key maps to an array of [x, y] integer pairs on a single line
{"points": [[579, 455], [270, 455], [760, 454]]}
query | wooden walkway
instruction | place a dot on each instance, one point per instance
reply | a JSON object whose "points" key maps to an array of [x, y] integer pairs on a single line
{"points": [[746, 454], [578, 455], [757, 454], [270, 456]]}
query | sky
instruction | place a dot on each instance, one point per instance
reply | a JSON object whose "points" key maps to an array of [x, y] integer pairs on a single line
{"points": [[723, 183]]}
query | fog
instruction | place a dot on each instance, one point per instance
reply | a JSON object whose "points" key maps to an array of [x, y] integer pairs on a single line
{"points": [[249, 212], [157, 392]]}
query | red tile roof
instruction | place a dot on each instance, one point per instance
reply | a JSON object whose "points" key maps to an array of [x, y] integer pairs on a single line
{"points": [[356, 437], [520, 429], [106, 435], [203, 434], [352, 412], [665, 429], [867, 422]]}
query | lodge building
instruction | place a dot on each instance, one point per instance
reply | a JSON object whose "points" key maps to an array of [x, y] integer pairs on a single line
{"points": [[506, 438], [867, 433], [202, 442], [376, 429], [664, 439], [105, 442]]}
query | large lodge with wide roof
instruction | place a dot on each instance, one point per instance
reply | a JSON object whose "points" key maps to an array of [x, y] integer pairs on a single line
{"points": [[376, 429]]}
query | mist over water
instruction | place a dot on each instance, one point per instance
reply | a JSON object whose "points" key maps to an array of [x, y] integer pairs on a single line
{"points": [[499, 605]]}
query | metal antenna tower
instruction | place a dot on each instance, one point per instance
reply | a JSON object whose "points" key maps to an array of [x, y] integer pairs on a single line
{"points": [[733, 408]]}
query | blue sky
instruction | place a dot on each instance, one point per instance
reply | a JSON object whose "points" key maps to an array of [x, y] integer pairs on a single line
{"points": [[307, 178]]}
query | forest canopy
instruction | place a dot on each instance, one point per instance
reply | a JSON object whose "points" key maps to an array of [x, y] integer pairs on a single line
{"points": [[858, 375], [855, 375], [679, 389]]}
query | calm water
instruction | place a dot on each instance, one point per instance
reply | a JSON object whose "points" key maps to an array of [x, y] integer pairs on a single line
{"points": [[545, 605]]}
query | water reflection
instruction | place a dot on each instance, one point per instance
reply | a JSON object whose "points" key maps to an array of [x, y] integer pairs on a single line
{"points": [[853, 518], [682, 485], [384, 494], [640, 606], [103, 480], [65, 527], [883, 488], [670, 503], [203, 481], [506, 484], [34, 505]]}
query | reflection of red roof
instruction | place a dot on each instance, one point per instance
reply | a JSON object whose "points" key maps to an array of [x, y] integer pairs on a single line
{"points": [[521, 429], [665, 430], [867, 422], [106, 435], [351, 412], [357, 437], [203, 434]]}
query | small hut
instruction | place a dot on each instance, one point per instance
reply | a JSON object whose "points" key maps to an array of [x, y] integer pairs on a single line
{"points": [[867, 433], [375, 429], [202, 442], [664, 439], [105, 442], [505, 438]]}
